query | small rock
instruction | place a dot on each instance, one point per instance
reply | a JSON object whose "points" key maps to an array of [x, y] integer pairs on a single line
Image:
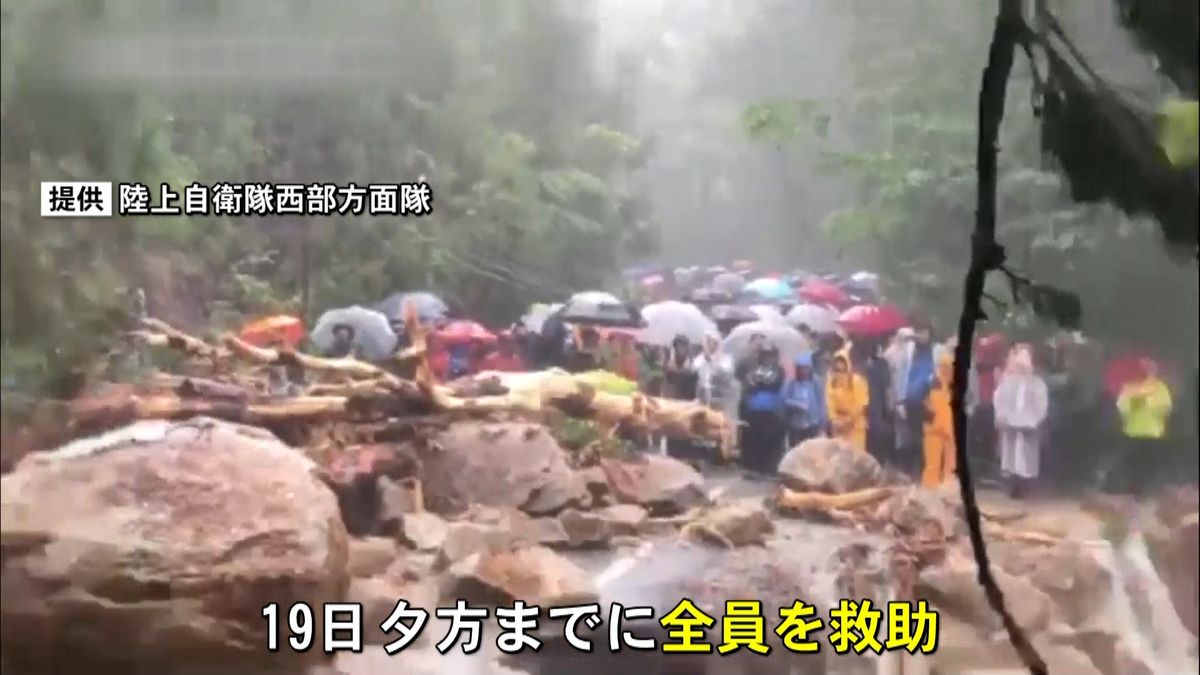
{"points": [[625, 519], [423, 531], [550, 532], [740, 523], [829, 465], [585, 529], [371, 555], [596, 482], [536, 575], [379, 596], [1063, 659], [1125, 662], [396, 499]]}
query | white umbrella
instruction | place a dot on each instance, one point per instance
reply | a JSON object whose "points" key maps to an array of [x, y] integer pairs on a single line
{"points": [[372, 333], [788, 340], [767, 313], [818, 318], [665, 320]]}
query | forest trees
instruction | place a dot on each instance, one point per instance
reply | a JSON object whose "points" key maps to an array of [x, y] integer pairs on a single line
{"points": [[905, 134], [493, 105]]}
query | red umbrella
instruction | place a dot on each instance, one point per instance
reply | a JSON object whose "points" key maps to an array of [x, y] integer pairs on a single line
{"points": [[269, 331], [463, 330], [1124, 369], [872, 320], [822, 292]]}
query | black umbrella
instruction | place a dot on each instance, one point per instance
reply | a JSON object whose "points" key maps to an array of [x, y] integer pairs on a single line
{"points": [[599, 309]]}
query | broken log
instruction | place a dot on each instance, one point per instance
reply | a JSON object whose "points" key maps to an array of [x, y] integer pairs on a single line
{"points": [[834, 505], [525, 393]]}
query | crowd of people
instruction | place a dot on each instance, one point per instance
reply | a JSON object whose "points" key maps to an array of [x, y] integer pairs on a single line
{"points": [[886, 393]]}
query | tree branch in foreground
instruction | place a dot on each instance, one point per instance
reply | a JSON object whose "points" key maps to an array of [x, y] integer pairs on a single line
{"points": [[986, 255]]}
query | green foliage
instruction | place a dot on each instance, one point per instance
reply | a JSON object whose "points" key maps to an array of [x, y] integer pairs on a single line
{"points": [[527, 182], [904, 135], [1179, 131]]}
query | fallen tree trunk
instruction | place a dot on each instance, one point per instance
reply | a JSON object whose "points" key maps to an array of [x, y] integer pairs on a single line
{"points": [[524, 393], [835, 505]]}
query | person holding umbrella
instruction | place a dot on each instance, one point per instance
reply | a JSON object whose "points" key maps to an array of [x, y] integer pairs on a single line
{"points": [[762, 440], [914, 362]]}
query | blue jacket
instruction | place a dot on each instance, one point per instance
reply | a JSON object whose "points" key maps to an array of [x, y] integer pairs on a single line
{"points": [[764, 385], [804, 399]]}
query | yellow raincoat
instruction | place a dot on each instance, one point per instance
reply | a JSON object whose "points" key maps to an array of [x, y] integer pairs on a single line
{"points": [[939, 428], [1145, 406], [846, 399]]}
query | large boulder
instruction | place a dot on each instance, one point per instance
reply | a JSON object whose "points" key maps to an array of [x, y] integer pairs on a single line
{"points": [[1174, 544], [953, 585], [155, 548], [501, 464], [663, 485], [829, 465], [1075, 579]]}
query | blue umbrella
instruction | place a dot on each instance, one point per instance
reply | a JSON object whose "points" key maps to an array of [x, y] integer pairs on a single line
{"points": [[428, 306], [773, 290]]}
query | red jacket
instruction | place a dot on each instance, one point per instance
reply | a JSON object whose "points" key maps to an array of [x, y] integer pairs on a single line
{"points": [[510, 363]]}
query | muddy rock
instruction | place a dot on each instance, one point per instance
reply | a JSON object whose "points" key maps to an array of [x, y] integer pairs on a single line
{"points": [[1174, 544], [917, 510], [663, 485], [396, 498], [734, 524], [1064, 659], [953, 586], [550, 532], [484, 529], [167, 539], [625, 520], [507, 465], [829, 465], [595, 480], [423, 531], [585, 529], [371, 555], [1069, 573], [536, 575], [356, 474], [378, 597]]}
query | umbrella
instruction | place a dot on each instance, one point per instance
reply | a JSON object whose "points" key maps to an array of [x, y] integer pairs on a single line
{"points": [[665, 320], [772, 290], [709, 296], [652, 280], [868, 279], [1124, 369], [372, 333], [427, 305], [267, 331], [734, 313], [599, 308], [728, 282], [871, 320], [818, 318], [537, 314], [766, 312], [788, 340], [463, 330], [822, 292]]}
